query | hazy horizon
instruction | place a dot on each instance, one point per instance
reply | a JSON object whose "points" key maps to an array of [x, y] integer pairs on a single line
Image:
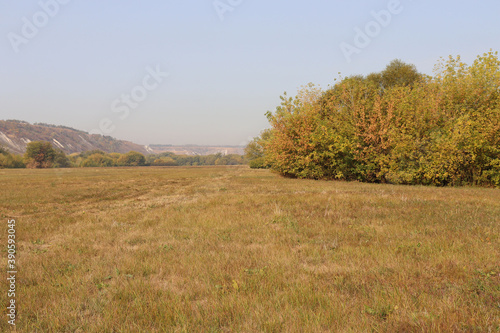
{"points": [[206, 72]]}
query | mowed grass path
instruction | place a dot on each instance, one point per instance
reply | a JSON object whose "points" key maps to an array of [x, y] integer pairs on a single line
{"points": [[230, 249]]}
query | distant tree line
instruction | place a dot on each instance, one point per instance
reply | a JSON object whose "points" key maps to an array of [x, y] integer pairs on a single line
{"points": [[171, 159], [397, 126], [40, 154]]}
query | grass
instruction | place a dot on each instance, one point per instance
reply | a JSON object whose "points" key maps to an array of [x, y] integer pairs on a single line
{"points": [[230, 249]]}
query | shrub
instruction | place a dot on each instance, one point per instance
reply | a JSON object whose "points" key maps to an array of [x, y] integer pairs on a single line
{"points": [[413, 129]]}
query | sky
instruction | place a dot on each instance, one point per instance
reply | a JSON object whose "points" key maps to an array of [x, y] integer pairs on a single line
{"points": [[206, 72]]}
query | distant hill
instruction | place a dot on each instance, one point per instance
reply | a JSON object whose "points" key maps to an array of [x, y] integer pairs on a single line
{"points": [[15, 135]]}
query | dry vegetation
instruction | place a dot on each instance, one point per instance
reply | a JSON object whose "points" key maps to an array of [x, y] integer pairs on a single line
{"points": [[230, 249]]}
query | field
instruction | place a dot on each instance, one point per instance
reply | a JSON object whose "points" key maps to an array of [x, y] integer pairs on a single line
{"points": [[231, 249]]}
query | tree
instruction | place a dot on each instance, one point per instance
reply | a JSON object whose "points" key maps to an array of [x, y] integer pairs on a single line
{"points": [[164, 161], [254, 151], [98, 160], [86, 154], [396, 74], [39, 154], [11, 161], [61, 160], [132, 158]]}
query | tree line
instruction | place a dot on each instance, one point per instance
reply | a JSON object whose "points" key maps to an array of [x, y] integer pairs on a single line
{"points": [[397, 126], [40, 154]]}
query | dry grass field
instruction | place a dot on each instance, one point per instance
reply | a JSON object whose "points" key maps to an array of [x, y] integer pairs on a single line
{"points": [[230, 249]]}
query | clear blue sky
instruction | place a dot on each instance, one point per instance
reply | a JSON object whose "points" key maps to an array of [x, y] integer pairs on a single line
{"points": [[223, 74]]}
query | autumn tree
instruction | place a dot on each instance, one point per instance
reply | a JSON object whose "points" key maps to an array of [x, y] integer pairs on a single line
{"points": [[39, 154]]}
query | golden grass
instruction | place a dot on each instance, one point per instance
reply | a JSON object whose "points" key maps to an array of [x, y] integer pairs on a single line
{"points": [[230, 249]]}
